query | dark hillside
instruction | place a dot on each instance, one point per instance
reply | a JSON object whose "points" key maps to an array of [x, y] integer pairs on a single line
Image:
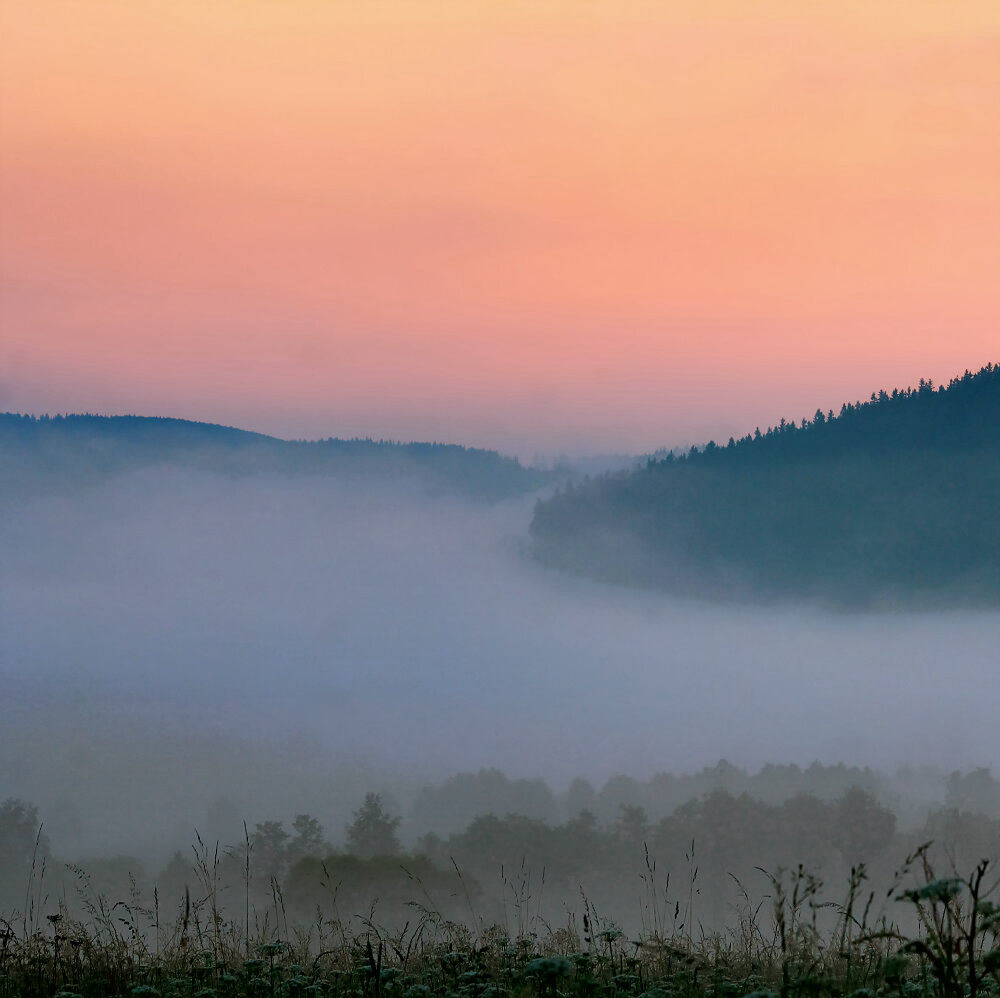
{"points": [[894, 500], [53, 454]]}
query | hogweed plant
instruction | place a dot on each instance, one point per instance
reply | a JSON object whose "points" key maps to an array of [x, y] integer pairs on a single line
{"points": [[958, 945]]}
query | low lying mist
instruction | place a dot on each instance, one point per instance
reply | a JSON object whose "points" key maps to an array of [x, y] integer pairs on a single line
{"points": [[214, 650]]}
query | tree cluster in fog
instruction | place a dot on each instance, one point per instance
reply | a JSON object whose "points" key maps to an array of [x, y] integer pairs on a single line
{"points": [[712, 845]]}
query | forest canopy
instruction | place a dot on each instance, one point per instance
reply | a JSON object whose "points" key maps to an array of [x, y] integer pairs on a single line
{"points": [[895, 500], [41, 454]]}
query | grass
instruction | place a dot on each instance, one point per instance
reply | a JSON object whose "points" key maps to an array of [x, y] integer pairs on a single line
{"points": [[794, 943]]}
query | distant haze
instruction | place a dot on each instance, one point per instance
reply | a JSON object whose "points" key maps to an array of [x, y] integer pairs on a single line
{"points": [[170, 638]]}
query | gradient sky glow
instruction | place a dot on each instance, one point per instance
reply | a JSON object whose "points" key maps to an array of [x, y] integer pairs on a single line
{"points": [[543, 226]]}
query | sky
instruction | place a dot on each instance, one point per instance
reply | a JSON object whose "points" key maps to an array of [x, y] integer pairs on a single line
{"points": [[557, 226]]}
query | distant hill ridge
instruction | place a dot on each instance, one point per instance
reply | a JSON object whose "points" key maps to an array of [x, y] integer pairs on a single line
{"points": [[893, 501], [46, 453], [965, 414]]}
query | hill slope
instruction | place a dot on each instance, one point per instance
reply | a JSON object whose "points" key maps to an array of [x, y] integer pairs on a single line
{"points": [[52, 454], [894, 500]]}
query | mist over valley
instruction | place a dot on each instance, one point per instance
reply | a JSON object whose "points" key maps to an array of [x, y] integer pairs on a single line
{"points": [[499, 500], [175, 636]]}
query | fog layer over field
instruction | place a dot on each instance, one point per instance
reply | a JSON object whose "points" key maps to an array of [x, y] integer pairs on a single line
{"points": [[174, 642]]}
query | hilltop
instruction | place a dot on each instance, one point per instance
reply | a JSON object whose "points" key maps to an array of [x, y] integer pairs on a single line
{"points": [[42, 454], [892, 501]]}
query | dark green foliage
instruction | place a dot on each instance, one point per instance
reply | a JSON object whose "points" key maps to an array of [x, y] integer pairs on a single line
{"points": [[895, 500]]}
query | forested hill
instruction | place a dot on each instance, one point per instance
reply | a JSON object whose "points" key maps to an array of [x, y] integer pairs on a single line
{"points": [[893, 501], [52, 454]]}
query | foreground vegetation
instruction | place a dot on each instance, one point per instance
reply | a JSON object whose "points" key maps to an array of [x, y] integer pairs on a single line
{"points": [[725, 896], [795, 941]]}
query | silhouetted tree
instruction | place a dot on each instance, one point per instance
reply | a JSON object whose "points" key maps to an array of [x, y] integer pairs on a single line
{"points": [[308, 839], [372, 832], [269, 855]]}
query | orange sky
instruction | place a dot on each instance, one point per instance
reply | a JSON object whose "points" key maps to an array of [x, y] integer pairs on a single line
{"points": [[548, 225]]}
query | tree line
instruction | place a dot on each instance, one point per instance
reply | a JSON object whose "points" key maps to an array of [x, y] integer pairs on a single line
{"points": [[66, 452], [714, 845], [891, 501]]}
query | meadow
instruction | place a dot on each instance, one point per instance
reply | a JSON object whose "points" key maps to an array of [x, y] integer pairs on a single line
{"points": [[124, 948], [406, 925]]}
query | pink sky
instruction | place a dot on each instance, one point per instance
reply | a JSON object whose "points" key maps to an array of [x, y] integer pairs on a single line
{"points": [[545, 226]]}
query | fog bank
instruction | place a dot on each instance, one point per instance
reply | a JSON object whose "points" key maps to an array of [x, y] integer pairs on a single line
{"points": [[172, 638]]}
